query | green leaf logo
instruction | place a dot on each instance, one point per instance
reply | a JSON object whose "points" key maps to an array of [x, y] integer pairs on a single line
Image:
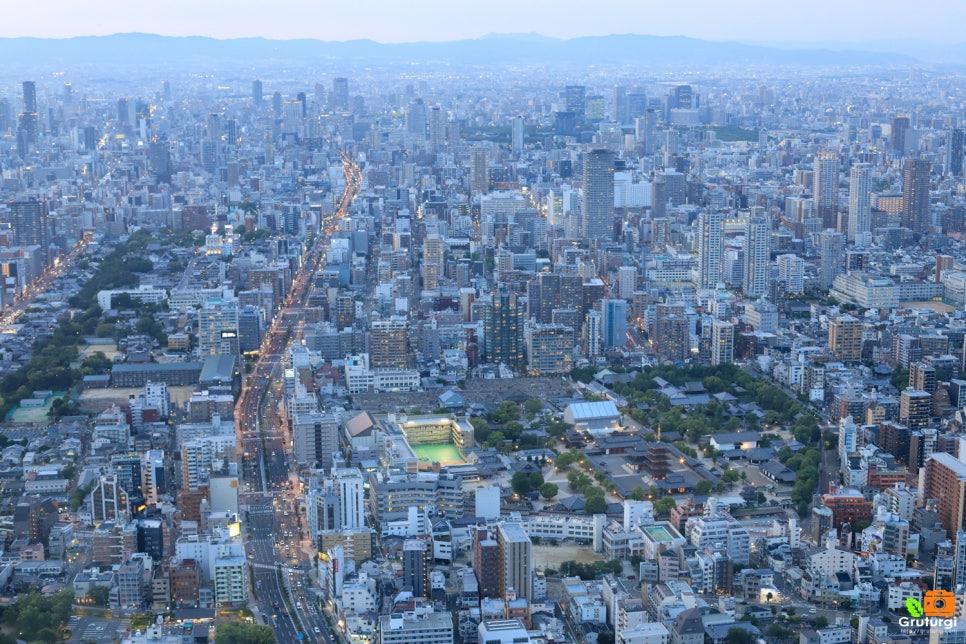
{"points": [[914, 607]]}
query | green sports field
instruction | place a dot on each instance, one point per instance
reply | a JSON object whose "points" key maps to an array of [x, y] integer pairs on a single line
{"points": [[442, 453]]}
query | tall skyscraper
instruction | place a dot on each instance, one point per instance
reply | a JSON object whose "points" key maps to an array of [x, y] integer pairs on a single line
{"points": [[27, 127], [613, 323], [339, 99], [29, 97], [503, 329], [516, 560], [597, 214], [826, 188], [516, 134], [954, 153], [860, 208], [897, 138], [915, 194], [757, 273], [28, 219], [576, 100], [257, 97], [710, 246], [437, 128], [479, 173]]}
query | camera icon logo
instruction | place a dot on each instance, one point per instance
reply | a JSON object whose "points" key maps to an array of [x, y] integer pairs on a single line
{"points": [[935, 603]]}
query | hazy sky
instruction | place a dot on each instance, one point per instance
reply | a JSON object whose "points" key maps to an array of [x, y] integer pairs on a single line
{"points": [[937, 21]]}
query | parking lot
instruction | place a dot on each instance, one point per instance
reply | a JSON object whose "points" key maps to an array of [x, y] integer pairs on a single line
{"points": [[96, 629]]}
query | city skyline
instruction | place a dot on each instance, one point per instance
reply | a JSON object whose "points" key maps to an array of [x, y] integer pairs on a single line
{"points": [[750, 21]]}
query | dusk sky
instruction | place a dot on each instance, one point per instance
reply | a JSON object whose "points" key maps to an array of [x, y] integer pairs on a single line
{"points": [[936, 21]]}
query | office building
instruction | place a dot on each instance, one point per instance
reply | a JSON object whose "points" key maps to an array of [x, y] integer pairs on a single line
{"points": [[257, 97], [597, 211], [757, 265], [915, 194], [503, 330], [671, 337], [710, 247], [944, 480], [516, 560], [416, 628], [860, 205], [825, 188], [339, 99], [576, 100], [613, 323], [316, 437]]}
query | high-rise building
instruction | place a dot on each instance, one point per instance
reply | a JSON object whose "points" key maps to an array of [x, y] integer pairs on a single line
{"points": [[613, 323], [503, 329], [257, 96], [791, 273], [671, 335], [710, 246], [27, 129], [339, 99], [516, 560], [218, 328], [597, 213], [898, 136], [350, 490], [516, 134], [576, 100], [860, 208], [954, 153], [437, 128], [915, 194], [845, 338], [315, 437], [757, 273], [416, 558], [722, 342], [826, 188], [479, 173], [28, 219], [831, 247], [915, 408], [389, 345], [945, 481], [550, 349], [486, 562], [416, 119]]}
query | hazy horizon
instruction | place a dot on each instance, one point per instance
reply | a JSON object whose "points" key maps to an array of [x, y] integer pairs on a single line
{"points": [[438, 21]]}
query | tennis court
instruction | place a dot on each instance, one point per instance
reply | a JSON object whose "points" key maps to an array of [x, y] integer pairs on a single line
{"points": [[442, 453]]}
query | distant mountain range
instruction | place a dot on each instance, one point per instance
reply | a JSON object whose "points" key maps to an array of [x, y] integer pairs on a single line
{"points": [[136, 48]]}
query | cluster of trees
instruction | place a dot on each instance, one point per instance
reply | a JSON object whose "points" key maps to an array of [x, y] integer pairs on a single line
{"points": [[36, 618], [502, 428], [594, 497], [805, 465], [590, 570], [49, 367], [242, 633]]}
